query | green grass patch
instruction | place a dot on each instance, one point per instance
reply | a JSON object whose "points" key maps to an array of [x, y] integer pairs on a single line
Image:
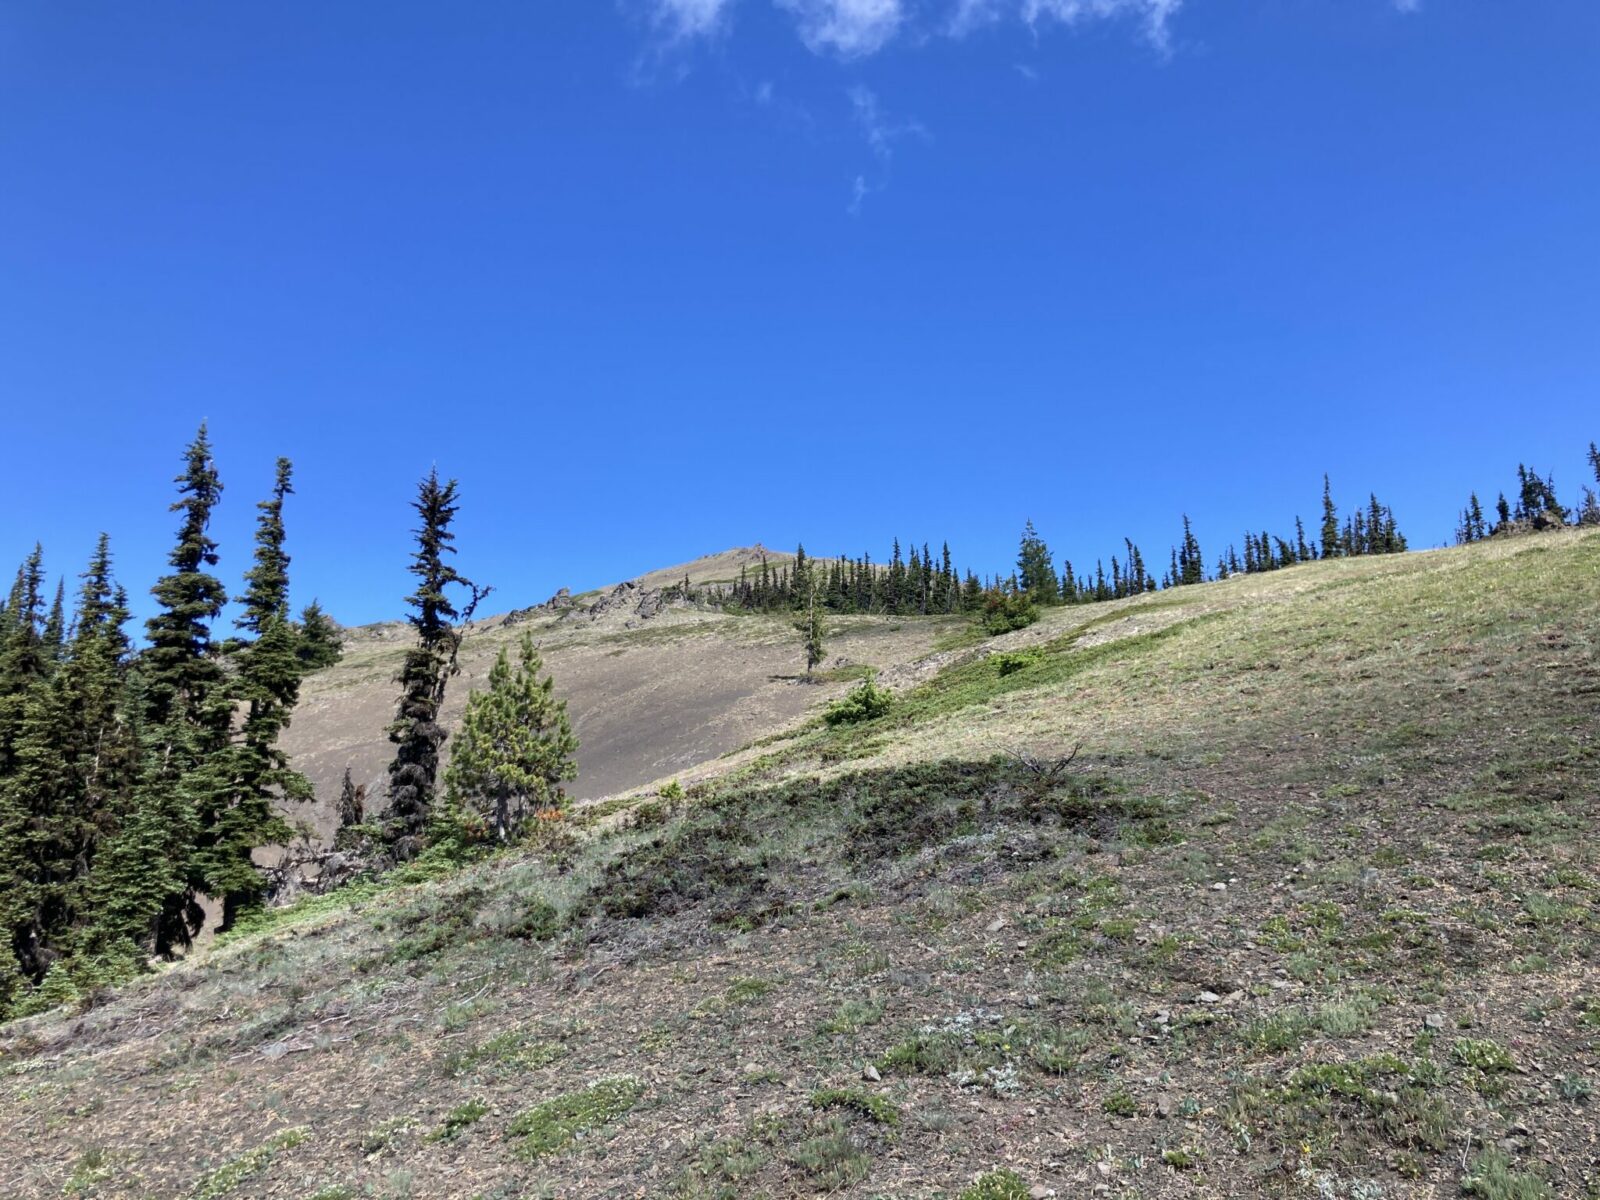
{"points": [[556, 1125]]}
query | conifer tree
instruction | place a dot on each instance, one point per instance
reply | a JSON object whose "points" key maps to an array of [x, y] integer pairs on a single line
{"points": [[515, 747], [241, 815], [1330, 521], [352, 802], [73, 762], [1036, 573], [320, 643], [428, 666], [189, 712], [811, 635], [1594, 461]]}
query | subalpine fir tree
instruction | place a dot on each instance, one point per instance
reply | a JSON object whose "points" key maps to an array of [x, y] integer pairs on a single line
{"points": [[1330, 521], [255, 773], [1594, 461], [189, 710], [416, 732], [515, 747], [54, 637], [1302, 550], [1191, 563], [1036, 573], [23, 661], [811, 635], [74, 761], [352, 802], [320, 643]]}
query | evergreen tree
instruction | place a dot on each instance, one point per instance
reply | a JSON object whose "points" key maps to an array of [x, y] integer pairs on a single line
{"points": [[1302, 550], [1330, 521], [1594, 461], [515, 747], [246, 782], [1190, 564], [189, 711], [352, 802], [1036, 573], [320, 642], [73, 762], [811, 634], [428, 666]]}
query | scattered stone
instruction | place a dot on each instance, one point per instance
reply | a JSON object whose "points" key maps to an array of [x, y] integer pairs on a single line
{"points": [[1219, 887], [274, 1050], [995, 926], [1038, 1192], [1165, 1106], [1208, 998], [1434, 1021], [870, 1074]]}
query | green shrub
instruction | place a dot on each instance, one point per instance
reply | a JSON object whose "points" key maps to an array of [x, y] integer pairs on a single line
{"points": [[861, 703], [997, 1185], [1492, 1178], [1485, 1054], [874, 1108], [553, 1126], [1011, 662], [1008, 613]]}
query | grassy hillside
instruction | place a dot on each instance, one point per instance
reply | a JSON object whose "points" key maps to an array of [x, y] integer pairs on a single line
{"points": [[1313, 913], [649, 699]]}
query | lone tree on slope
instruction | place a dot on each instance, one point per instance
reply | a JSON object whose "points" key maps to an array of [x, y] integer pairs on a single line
{"points": [[515, 747], [416, 732], [811, 633]]}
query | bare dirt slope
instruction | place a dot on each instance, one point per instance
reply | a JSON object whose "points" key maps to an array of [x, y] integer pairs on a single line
{"points": [[1312, 916], [649, 697]]}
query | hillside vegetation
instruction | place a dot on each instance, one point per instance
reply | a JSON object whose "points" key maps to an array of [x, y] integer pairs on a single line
{"points": [[1313, 912]]}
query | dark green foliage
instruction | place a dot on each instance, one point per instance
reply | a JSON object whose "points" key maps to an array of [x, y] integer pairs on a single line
{"points": [[515, 748], [1005, 612], [320, 642], [128, 785], [811, 634], [1330, 521], [1190, 565], [863, 702], [1472, 526], [1036, 572], [416, 731], [255, 772]]}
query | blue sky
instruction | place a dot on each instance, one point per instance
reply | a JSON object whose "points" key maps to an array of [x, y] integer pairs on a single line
{"points": [[658, 277]]}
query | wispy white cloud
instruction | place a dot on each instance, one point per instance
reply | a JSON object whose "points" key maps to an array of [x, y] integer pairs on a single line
{"points": [[880, 132], [1153, 15], [1408, 6], [968, 15], [848, 28], [690, 18]]}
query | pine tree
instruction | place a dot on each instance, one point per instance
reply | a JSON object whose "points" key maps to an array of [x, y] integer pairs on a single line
{"points": [[352, 802], [1036, 573], [515, 747], [1594, 461], [811, 635], [320, 642], [73, 763], [1191, 564], [1330, 521], [428, 666], [189, 712], [254, 774]]}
